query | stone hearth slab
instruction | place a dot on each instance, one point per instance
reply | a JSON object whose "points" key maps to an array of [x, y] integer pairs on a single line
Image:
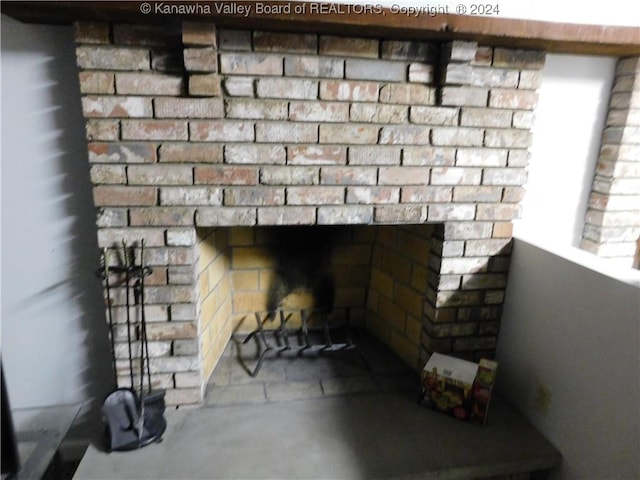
{"points": [[379, 435]]}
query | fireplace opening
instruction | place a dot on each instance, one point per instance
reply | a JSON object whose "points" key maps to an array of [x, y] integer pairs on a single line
{"points": [[375, 277]]}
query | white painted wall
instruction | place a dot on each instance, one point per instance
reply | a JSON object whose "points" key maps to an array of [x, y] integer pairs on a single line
{"points": [[570, 117], [577, 331], [54, 346]]}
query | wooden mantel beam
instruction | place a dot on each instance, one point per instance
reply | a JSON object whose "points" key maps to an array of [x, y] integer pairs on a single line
{"points": [[332, 18]]}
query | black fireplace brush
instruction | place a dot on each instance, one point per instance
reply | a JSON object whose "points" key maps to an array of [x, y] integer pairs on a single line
{"points": [[133, 419]]}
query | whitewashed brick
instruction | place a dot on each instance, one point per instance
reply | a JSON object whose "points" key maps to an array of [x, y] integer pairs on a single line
{"points": [[239, 86], [286, 132], [287, 88], [256, 109], [381, 70], [251, 64]]}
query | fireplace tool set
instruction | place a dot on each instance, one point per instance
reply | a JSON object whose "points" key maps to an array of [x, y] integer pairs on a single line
{"points": [[133, 418]]}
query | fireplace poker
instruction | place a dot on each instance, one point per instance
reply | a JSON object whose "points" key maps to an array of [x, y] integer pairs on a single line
{"points": [[104, 271], [127, 276]]}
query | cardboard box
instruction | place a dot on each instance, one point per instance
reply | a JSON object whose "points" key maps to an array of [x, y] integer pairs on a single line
{"points": [[458, 387]]}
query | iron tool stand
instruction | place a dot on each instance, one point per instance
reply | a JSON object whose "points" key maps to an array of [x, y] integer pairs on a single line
{"points": [[133, 418]]}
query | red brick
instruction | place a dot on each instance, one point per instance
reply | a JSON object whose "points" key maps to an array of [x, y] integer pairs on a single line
{"points": [[349, 91], [348, 47], [507, 138], [160, 175], [459, 51], [220, 175], [292, 88], [374, 155], [465, 96], [513, 194], [315, 195], [451, 212], [316, 155], [318, 111], [198, 33], [408, 50], [285, 42], [154, 130], [345, 215], [516, 99], [112, 58], [255, 154], [400, 213], [404, 135], [201, 59], [428, 156], [190, 153], [456, 176], [407, 94], [484, 56], [146, 35], [403, 176], [348, 175], [110, 237], [434, 115], [206, 85], [225, 216], [161, 216], [91, 32], [349, 133], [477, 194], [454, 136], [374, 113], [166, 107], [251, 64], [373, 195], [286, 132], [122, 152], [313, 66], [149, 84], [112, 196], [420, 73], [239, 86], [290, 175], [530, 79], [108, 174], [522, 59], [261, 196], [112, 217], [381, 70], [485, 117], [106, 130], [249, 108], [114, 107], [289, 215], [221, 131], [97, 82], [176, 196], [501, 212], [426, 194]]}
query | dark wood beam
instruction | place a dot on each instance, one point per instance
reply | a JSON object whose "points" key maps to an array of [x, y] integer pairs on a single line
{"points": [[331, 18]]}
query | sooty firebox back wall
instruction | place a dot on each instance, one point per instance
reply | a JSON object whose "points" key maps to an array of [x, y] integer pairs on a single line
{"points": [[303, 263]]}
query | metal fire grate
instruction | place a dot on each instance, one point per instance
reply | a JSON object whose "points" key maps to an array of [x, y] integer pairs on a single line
{"points": [[273, 336]]}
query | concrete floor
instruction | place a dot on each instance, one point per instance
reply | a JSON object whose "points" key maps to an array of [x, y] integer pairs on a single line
{"points": [[325, 416]]}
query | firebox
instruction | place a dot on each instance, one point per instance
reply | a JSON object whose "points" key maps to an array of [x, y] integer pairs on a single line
{"points": [[369, 177]]}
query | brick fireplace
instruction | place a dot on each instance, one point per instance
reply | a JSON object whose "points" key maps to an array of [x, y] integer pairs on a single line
{"points": [[207, 142]]}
